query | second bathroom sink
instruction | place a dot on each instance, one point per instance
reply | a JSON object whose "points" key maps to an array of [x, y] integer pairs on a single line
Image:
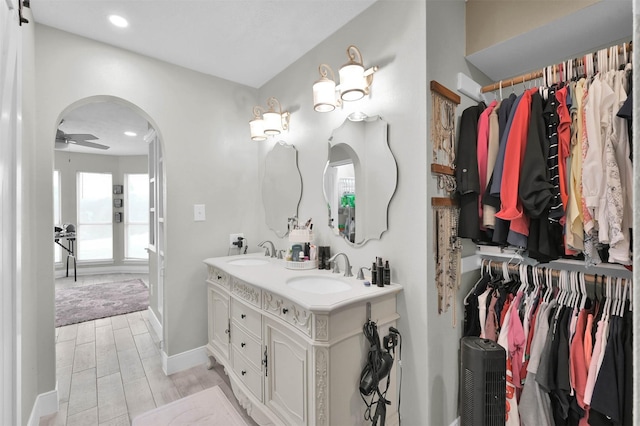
{"points": [[318, 284]]}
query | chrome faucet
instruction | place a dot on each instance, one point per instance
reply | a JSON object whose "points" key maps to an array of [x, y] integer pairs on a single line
{"points": [[271, 253], [361, 273], [347, 265]]}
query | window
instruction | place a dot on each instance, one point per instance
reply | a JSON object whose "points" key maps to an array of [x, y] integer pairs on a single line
{"points": [[57, 221], [136, 216], [95, 226]]}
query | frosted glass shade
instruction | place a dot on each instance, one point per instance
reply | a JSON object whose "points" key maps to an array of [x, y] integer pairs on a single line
{"points": [[257, 129], [324, 95], [352, 82], [272, 123]]}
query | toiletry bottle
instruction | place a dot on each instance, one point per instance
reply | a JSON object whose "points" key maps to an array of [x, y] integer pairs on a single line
{"points": [[380, 272], [374, 274], [387, 274]]}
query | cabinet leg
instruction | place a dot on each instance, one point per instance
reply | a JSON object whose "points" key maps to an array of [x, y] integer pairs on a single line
{"points": [[211, 363]]}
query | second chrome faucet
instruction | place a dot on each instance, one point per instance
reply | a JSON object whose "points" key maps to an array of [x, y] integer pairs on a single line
{"points": [[347, 265]]}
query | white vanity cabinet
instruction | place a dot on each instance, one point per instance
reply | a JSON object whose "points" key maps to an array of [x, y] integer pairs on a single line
{"points": [[292, 360]]}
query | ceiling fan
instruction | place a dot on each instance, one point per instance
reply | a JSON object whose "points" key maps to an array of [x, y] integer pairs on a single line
{"points": [[81, 139]]}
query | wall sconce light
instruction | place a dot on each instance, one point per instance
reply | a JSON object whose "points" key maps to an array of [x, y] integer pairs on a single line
{"points": [[268, 123], [355, 82]]}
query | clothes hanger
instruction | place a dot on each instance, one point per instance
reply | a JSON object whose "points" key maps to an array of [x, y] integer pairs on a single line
{"points": [[466, 301], [583, 288]]}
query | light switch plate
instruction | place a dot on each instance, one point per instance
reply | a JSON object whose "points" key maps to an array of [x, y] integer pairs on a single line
{"points": [[198, 213]]}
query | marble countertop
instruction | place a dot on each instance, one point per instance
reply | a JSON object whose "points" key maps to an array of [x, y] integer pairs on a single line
{"points": [[273, 276]]}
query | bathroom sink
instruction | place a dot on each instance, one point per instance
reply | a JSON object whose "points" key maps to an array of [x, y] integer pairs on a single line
{"points": [[249, 261], [318, 284]]}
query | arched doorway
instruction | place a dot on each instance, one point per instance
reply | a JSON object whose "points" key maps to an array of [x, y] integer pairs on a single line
{"points": [[106, 135]]}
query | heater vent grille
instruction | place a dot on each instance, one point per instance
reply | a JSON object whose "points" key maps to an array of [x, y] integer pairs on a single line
{"points": [[482, 382]]}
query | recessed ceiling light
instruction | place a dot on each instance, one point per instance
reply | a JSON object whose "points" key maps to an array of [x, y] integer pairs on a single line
{"points": [[128, 133], [118, 21]]}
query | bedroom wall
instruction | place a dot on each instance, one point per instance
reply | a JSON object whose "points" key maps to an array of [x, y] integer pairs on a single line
{"points": [[69, 164]]}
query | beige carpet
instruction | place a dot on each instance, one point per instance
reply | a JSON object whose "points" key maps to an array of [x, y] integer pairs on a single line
{"points": [[209, 407]]}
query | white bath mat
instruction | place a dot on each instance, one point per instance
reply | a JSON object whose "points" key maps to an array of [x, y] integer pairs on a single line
{"points": [[209, 407]]}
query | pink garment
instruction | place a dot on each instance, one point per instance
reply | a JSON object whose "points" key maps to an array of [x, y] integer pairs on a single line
{"points": [[588, 340], [578, 368], [517, 342], [564, 142], [593, 365], [482, 153]]}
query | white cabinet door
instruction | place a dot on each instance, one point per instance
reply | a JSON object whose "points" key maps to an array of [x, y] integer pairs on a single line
{"points": [[286, 380], [219, 321]]}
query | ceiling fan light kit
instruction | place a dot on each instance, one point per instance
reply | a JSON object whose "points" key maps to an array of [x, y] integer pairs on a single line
{"points": [[63, 140]]}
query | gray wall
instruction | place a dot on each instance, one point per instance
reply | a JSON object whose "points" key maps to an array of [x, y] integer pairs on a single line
{"points": [[391, 34], [35, 286], [69, 164], [445, 58], [208, 156]]}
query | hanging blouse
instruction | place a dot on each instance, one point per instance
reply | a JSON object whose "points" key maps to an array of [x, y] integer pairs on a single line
{"points": [[575, 230]]}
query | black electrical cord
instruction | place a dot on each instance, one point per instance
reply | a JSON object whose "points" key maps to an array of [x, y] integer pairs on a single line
{"points": [[395, 330], [373, 371]]}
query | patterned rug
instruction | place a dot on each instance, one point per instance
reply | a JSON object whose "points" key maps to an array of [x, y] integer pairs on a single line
{"points": [[209, 407], [89, 302]]}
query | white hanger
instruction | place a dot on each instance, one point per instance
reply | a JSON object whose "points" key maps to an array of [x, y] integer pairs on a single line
{"points": [[550, 291], [465, 301], [501, 90], [505, 271], [607, 304], [583, 289]]}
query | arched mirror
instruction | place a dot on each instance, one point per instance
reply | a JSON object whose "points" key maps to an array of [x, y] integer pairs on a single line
{"points": [[281, 187], [359, 179]]}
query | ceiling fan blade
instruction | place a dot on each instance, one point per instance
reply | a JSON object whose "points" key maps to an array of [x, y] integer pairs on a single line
{"points": [[89, 144], [79, 137]]}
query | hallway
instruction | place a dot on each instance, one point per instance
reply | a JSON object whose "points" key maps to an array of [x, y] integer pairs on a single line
{"points": [[110, 370]]}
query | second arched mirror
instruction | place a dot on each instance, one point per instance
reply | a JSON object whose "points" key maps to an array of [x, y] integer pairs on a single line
{"points": [[359, 180]]}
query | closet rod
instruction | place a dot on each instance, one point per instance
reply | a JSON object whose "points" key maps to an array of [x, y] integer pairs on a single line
{"points": [[555, 273], [533, 75]]}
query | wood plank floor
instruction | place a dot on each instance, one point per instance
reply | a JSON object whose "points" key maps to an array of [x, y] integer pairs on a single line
{"points": [[109, 370]]}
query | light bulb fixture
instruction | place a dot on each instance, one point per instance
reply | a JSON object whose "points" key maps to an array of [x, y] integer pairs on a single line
{"points": [[355, 82], [268, 123], [324, 90], [256, 125]]}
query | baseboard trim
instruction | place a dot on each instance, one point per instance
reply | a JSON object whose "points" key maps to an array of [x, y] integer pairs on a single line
{"points": [[111, 269], [45, 404], [155, 323], [183, 361]]}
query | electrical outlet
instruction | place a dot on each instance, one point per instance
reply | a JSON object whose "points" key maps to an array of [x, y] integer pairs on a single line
{"points": [[233, 238]]}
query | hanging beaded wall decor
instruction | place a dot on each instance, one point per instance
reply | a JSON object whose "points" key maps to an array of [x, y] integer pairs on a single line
{"points": [[447, 245]]}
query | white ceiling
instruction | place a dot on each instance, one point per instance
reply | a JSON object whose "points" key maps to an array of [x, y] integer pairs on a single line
{"points": [[245, 41]]}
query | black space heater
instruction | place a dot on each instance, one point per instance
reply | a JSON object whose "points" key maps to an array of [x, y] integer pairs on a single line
{"points": [[482, 382]]}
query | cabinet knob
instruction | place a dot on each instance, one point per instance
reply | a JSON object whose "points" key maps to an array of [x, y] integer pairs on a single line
{"points": [[243, 372], [243, 316], [285, 310], [219, 277], [226, 331], [243, 344]]}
